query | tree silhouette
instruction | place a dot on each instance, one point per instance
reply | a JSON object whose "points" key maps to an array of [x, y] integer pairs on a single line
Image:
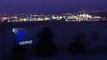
{"points": [[78, 47], [46, 46]]}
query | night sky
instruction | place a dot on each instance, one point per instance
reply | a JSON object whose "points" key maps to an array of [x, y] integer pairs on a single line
{"points": [[30, 6]]}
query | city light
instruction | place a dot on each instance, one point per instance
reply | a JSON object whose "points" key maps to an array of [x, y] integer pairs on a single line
{"points": [[69, 17]]}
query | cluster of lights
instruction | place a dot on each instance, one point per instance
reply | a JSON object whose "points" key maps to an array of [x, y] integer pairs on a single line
{"points": [[39, 18], [79, 17], [65, 17], [84, 17]]}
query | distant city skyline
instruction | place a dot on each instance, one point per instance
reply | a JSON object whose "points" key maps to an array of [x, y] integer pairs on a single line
{"points": [[50, 6]]}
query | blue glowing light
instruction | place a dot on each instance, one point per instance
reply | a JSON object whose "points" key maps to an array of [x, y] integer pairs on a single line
{"points": [[20, 36]]}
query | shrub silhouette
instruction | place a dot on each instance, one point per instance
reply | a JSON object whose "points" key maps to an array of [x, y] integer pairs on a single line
{"points": [[46, 45], [78, 47], [19, 53]]}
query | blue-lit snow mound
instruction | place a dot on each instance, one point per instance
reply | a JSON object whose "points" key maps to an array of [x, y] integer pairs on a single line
{"points": [[20, 36]]}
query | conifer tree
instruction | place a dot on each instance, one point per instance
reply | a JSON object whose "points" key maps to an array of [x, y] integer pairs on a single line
{"points": [[78, 47], [46, 45]]}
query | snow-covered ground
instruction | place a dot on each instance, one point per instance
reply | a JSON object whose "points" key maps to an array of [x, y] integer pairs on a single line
{"points": [[64, 34]]}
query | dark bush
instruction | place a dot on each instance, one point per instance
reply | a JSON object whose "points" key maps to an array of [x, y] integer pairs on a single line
{"points": [[78, 47], [19, 53], [46, 46]]}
